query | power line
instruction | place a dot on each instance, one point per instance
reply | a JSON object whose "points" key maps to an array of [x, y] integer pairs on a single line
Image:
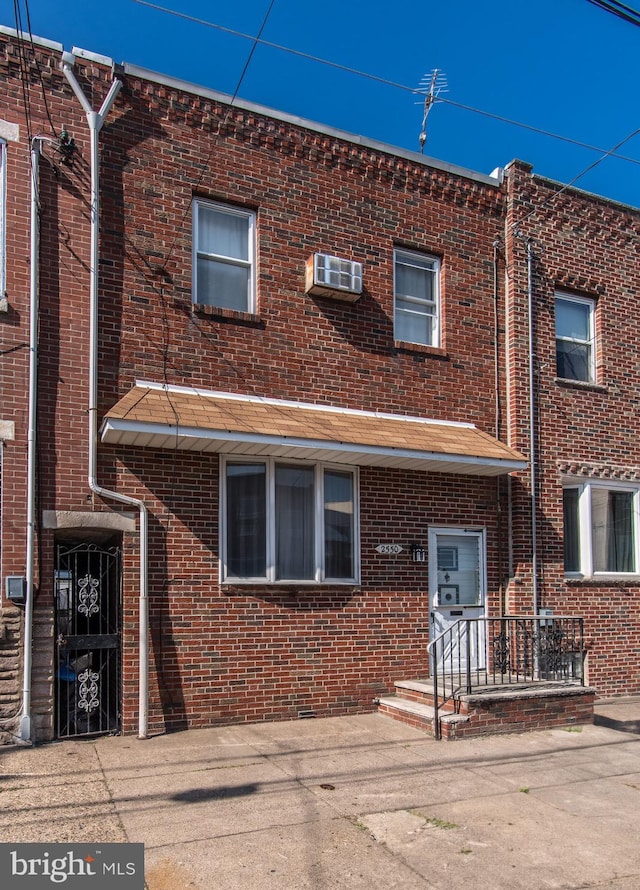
{"points": [[256, 41], [547, 201], [377, 79], [24, 66], [620, 10], [532, 129]]}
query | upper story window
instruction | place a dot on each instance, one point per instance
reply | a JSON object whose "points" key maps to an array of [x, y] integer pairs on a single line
{"points": [[288, 522], [417, 298], [575, 338], [223, 256], [601, 529]]}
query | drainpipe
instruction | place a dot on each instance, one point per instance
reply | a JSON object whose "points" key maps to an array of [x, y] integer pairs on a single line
{"points": [[34, 258], [95, 121], [532, 435], [496, 357]]}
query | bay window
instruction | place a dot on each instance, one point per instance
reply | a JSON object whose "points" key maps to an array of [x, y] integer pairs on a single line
{"points": [[286, 521], [601, 529]]}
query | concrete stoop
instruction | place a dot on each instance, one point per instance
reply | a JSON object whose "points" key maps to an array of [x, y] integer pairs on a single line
{"points": [[490, 709]]}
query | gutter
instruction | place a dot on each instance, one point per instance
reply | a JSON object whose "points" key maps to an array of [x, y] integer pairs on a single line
{"points": [[95, 120]]}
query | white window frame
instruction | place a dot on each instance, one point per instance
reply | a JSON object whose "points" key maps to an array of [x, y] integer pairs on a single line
{"points": [[249, 263], [405, 257], [585, 542], [590, 343], [270, 575], [3, 218]]}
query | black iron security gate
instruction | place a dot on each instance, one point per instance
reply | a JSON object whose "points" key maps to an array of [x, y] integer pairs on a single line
{"points": [[87, 614]]}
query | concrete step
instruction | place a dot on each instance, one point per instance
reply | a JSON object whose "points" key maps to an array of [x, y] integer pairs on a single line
{"points": [[414, 713], [420, 716]]}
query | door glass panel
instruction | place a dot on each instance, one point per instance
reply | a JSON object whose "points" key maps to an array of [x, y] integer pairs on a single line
{"points": [[459, 570]]}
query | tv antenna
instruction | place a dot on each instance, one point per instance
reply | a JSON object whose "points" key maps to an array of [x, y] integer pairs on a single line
{"points": [[431, 85]]}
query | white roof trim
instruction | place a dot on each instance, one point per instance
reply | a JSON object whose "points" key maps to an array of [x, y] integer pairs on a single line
{"points": [[153, 435]]}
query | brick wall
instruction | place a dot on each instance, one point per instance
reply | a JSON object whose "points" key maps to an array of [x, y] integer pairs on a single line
{"points": [[589, 247], [247, 652]]}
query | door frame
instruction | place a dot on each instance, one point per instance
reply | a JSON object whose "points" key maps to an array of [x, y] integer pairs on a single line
{"points": [[441, 614], [88, 617]]}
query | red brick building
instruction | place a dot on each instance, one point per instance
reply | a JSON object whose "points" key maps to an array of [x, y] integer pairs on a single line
{"points": [[272, 430], [574, 257]]}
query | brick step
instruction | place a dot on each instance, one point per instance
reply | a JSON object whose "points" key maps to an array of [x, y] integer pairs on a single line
{"points": [[491, 709]]}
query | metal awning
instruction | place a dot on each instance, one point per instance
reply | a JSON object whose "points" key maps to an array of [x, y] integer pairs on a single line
{"points": [[152, 415]]}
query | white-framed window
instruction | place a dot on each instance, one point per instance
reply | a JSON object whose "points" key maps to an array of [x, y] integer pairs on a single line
{"points": [[416, 298], [3, 216], [575, 338], [601, 528], [223, 256], [288, 522]]}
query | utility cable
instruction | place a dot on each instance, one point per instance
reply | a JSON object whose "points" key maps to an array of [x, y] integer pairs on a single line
{"points": [[373, 77], [24, 71], [547, 201], [24, 66], [621, 10]]}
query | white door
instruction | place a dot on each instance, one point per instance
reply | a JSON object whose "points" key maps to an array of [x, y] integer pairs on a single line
{"points": [[457, 584]]}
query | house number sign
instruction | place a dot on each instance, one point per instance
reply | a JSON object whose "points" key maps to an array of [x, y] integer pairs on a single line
{"points": [[390, 548]]}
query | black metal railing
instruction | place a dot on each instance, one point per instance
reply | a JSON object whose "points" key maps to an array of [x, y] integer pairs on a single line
{"points": [[502, 651]]}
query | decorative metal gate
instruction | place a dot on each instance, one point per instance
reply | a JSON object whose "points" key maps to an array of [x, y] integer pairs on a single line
{"points": [[87, 615]]}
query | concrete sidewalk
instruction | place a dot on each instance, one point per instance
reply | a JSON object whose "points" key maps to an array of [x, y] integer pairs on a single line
{"points": [[350, 802]]}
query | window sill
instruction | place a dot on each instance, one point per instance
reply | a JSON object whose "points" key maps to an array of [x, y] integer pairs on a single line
{"points": [[422, 349], [603, 580], [286, 585], [581, 384], [223, 314]]}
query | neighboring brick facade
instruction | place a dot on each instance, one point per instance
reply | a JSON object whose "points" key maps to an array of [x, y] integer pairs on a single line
{"points": [[227, 653], [587, 246]]}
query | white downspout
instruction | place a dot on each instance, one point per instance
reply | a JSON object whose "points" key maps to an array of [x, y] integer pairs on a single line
{"points": [[95, 121], [532, 435], [34, 259]]}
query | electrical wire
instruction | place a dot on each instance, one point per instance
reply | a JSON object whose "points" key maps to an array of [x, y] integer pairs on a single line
{"points": [[547, 201], [375, 78], [24, 69], [621, 10]]}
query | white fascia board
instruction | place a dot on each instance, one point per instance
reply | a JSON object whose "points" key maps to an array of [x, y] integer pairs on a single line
{"points": [[112, 427]]}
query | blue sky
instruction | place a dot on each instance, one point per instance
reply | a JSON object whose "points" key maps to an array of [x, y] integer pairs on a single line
{"points": [[562, 66]]}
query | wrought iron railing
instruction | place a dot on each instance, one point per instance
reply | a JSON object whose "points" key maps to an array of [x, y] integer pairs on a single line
{"points": [[502, 651]]}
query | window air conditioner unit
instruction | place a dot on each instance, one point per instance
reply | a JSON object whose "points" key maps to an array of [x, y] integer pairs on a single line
{"points": [[330, 276]]}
